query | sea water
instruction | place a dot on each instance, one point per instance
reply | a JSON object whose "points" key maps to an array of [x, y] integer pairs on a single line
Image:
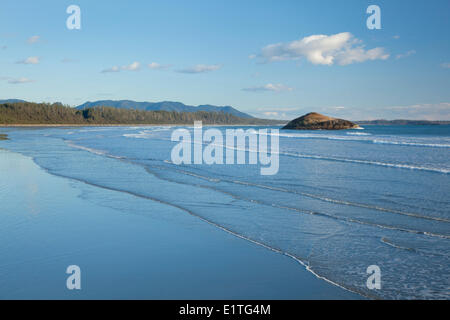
{"points": [[340, 202]]}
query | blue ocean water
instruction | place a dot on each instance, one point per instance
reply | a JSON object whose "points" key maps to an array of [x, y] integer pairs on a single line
{"points": [[341, 201]]}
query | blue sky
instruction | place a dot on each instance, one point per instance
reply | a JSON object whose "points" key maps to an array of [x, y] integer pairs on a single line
{"points": [[273, 59]]}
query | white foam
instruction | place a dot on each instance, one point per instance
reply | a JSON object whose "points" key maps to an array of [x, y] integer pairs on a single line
{"points": [[358, 134], [91, 150], [369, 162]]}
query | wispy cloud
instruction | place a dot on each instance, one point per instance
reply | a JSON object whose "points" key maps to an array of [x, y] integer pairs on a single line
{"points": [[269, 87], [279, 113], [34, 39], [271, 114], [396, 37], [342, 49], [157, 66], [200, 68], [406, 54], [112, 69], [19, 80], [29, 60], [445, 65], [3, 47], [135, 66]]}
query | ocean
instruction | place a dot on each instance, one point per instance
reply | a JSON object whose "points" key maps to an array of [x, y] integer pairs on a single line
{"points": [[340, 202]]}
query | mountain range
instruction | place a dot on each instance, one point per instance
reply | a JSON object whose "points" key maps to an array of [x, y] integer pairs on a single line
{"points": [[153, 106], [162, 106], [11, 101]]}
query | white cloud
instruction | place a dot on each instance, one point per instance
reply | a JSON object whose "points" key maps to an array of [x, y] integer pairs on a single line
{"points": [[396, 37], [287, 113], [29, 60], [33, 39], [112, 69], [341, 48], [201, 68], [135, 66], [269, 87], [271, 114], [20, 80], [3, 47], [157, 66], [406, 54], [446, 65]]}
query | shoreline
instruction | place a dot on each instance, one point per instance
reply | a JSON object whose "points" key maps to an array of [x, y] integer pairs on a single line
{"points": [[126, 230], [126, 125]]}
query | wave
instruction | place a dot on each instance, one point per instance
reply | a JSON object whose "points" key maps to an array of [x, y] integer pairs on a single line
{"points": [[308, 195], [358, 134], [361, 137], [318, 197], [418, 144], [390, 243], [144, 135], [304, 211], [350, 136], [92, 150], [342, 202], [370, 162]]}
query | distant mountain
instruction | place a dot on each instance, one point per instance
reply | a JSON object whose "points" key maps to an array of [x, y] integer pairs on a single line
{"points": [[162, 106], [403, 122], [11, 101]]}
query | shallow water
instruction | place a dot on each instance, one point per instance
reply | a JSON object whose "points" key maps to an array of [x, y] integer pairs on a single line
{"points": [[127, 247], [341, 201]]}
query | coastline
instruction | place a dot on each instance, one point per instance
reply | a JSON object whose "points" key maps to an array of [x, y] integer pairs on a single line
{"points": [[102, 238], [124, 125]]}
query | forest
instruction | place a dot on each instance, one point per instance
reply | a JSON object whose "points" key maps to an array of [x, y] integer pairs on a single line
{"points": [[28, 113]]}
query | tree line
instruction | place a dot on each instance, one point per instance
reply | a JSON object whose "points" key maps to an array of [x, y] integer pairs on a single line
{"points": [[46, 113]]}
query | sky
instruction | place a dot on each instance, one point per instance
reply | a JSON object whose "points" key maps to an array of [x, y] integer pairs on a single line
{"points": [[272, 59]]}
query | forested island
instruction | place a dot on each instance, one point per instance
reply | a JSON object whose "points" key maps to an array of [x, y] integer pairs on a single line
{"points": [[29, 113]]}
